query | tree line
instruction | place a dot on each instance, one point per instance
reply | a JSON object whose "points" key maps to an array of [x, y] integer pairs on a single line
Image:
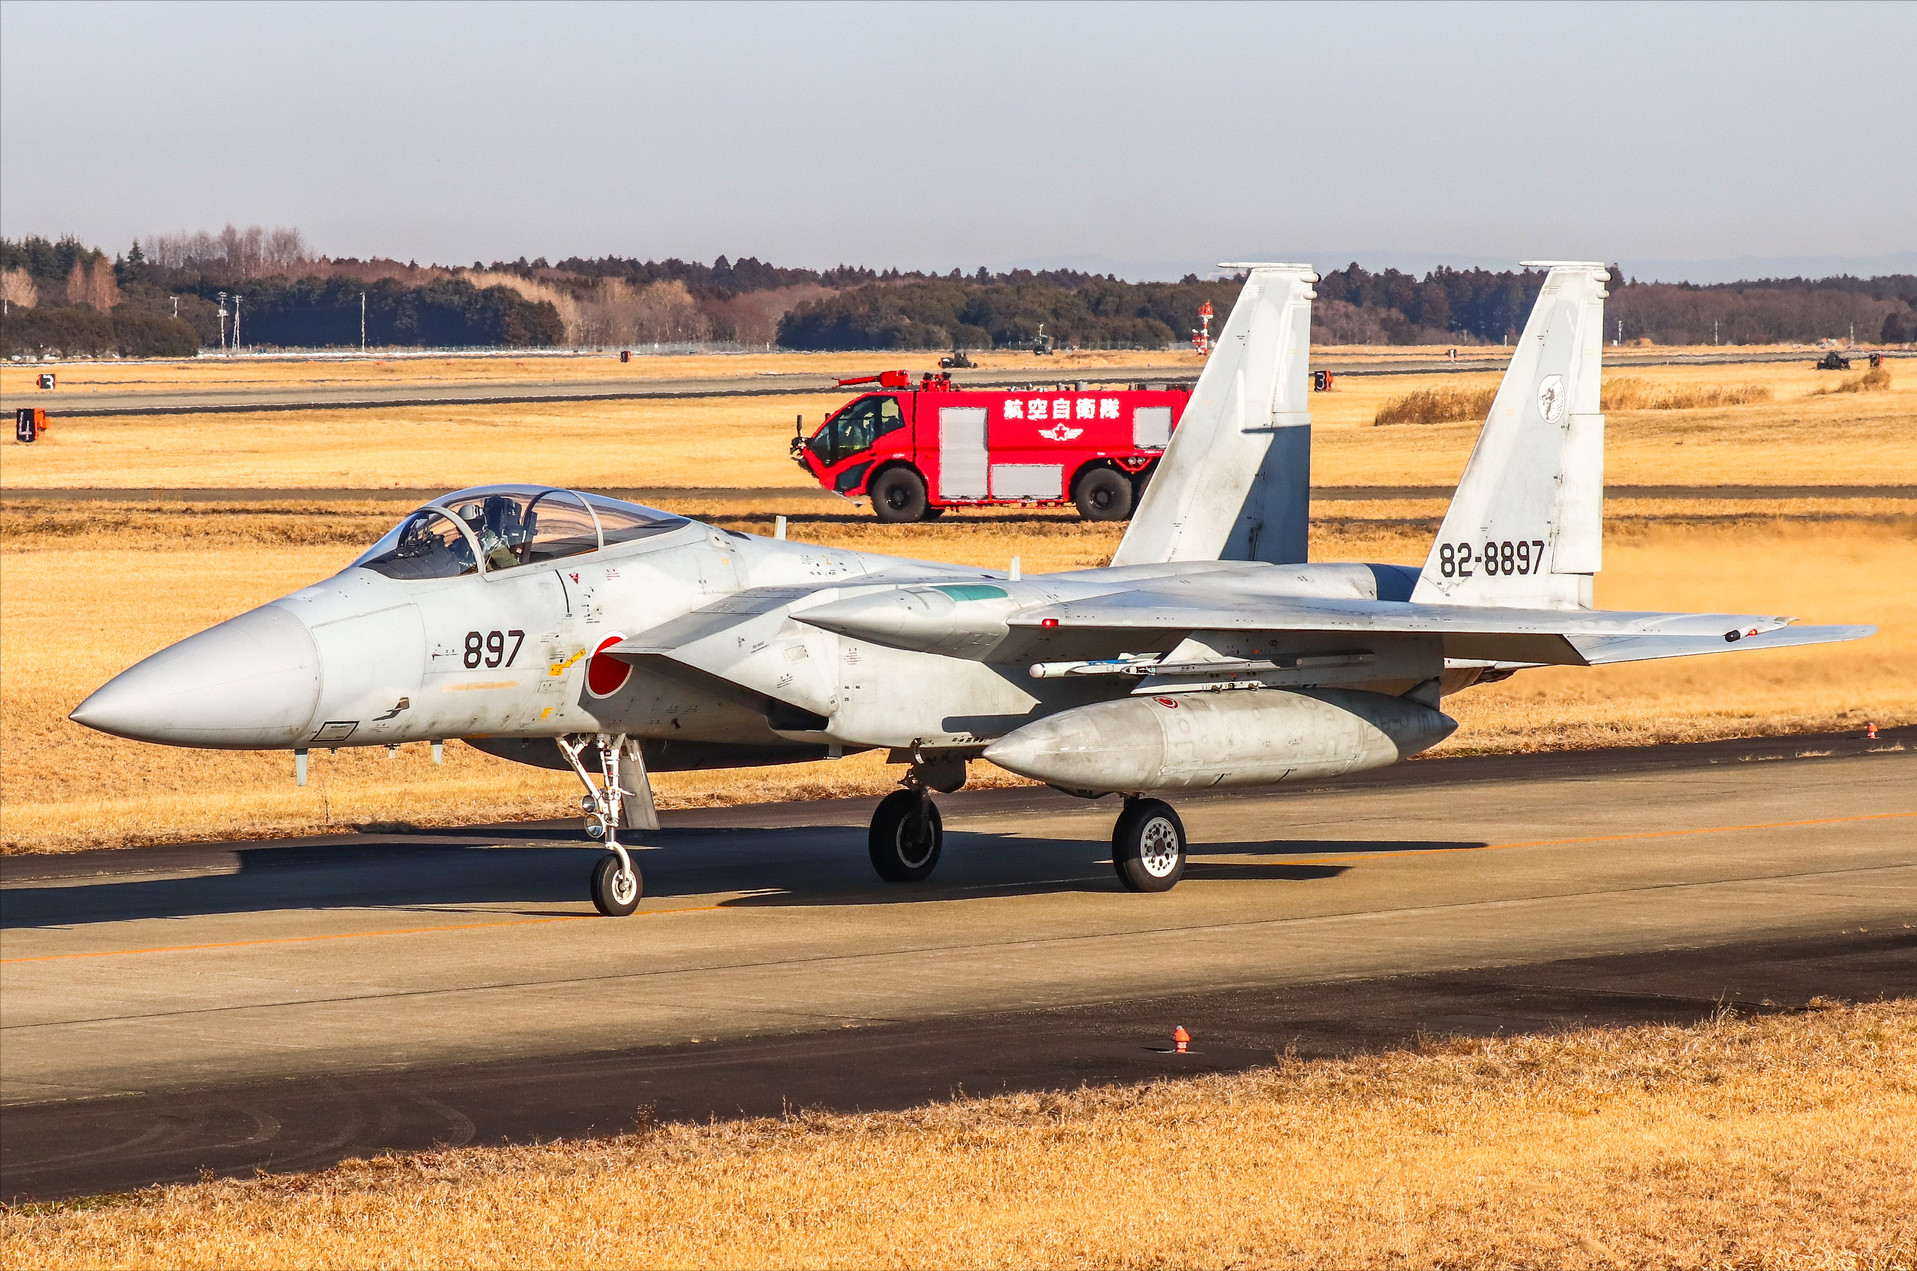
{"points": [[162, 297]]}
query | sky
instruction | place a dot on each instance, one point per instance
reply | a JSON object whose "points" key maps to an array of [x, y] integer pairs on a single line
{"points": [[1699, 141]]}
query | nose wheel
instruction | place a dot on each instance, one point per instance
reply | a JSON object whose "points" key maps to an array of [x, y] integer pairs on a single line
{"points": [[1148, 846], [616, 883]]}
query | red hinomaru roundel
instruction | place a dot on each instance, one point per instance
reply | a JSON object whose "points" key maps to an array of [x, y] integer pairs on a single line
{"points": [[606, 676]]}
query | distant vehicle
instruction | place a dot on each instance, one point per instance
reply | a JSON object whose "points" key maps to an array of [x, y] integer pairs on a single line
{"points": [[956, 360], [1042, 344], [917, 450], [1831, 361]]}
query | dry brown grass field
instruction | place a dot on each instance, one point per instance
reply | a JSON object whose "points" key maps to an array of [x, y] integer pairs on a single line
{"points": [[402, 367], [397, 366], [1780, 1142], [87, 589], [1799, 437]]}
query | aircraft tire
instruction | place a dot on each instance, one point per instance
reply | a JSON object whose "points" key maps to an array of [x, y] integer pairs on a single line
{"points": [[1148, 846], [609, 896], [907, 836], [898, 496], [1103, 495]]}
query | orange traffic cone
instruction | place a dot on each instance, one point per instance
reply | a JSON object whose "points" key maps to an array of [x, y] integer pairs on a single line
{"points": [[1180, 1040]]}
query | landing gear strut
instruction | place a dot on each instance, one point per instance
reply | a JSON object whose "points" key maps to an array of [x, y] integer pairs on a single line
{"points": [[1148, 846], [623, 798]]}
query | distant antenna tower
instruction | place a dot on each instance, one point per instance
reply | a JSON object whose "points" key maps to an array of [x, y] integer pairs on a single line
{"points": [[222, 322], [1201, 338]]}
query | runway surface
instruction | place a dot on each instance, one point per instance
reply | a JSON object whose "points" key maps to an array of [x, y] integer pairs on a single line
{"points": [[86, 403], [284, 1005]]}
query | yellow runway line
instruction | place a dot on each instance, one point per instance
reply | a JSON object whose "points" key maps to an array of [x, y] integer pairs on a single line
{"points": [[347, 935]]}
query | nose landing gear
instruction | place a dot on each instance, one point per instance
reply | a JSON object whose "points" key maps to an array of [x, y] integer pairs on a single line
{"points": [[622, 799]]}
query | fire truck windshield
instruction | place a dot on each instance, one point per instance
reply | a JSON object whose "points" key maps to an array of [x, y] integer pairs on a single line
{"points": [[854, 429]]}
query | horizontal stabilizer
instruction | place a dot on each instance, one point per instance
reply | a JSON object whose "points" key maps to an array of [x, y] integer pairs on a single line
{"points": [[1605, 650]]}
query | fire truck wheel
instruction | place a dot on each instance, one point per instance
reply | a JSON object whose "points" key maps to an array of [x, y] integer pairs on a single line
{"points": [[1103, 495], [899, 495]]}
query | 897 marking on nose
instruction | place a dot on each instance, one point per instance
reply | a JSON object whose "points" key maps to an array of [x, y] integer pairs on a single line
{"points": [[1508, 557], [488, 648]]}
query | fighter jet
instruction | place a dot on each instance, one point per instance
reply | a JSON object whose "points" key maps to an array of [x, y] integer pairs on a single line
{"points": [[571, 631]]}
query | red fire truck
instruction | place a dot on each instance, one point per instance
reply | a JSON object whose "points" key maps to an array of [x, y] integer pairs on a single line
{"points": [[916, 450]]}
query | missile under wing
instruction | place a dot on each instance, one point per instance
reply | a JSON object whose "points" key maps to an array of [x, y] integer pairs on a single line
{"points": [[563, 629]]}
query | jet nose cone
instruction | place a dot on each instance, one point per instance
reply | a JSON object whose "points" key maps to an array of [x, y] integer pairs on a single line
{"points": [[251, 682]]}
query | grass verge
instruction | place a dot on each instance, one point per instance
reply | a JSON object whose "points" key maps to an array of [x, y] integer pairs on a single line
{"points": [[1782, 1141]]}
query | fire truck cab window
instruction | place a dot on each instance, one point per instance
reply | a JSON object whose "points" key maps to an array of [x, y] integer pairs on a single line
{"points": [[851, 431], [891, 418]]}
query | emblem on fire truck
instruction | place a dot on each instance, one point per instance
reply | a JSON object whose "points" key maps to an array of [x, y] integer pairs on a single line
{"points": [[1059, 432]]}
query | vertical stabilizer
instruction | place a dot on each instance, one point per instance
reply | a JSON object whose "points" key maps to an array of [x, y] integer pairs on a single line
{"points": [[1235, 483], [1526, 525]]}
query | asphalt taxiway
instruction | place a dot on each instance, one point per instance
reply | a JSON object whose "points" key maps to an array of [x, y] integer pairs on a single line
{"points": [[282, 1005]]}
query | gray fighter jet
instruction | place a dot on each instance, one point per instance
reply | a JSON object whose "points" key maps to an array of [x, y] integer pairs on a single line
{"points": [[572, 631]]}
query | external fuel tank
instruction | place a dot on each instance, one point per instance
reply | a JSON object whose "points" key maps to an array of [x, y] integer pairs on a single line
{"points": [[1194, 741]]}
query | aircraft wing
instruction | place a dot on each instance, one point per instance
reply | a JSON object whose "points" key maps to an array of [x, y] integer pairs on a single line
{"points": [[1572, 637]]}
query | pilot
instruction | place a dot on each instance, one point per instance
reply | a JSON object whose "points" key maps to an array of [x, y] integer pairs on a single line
{"points": [[494, 547]]}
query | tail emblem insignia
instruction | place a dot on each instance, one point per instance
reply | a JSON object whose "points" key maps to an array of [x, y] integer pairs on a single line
{"points": [[1551, 398]]}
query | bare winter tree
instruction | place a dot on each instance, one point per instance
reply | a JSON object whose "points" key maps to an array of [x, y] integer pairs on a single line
{"points": [[93, 285], [562, 301], [667, 313], [16, 286], [233, 252]]}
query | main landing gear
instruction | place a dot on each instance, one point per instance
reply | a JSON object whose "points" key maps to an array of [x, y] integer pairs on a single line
{"points": [[907, 832], [622, 799], [1148, 845]]}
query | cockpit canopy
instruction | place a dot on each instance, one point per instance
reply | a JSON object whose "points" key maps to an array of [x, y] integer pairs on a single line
{"points": [[499, 527]]}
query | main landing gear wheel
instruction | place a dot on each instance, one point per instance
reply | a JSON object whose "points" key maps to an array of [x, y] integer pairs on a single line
{"points": [[907, 836], [616, 886], [1148, 846]]}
